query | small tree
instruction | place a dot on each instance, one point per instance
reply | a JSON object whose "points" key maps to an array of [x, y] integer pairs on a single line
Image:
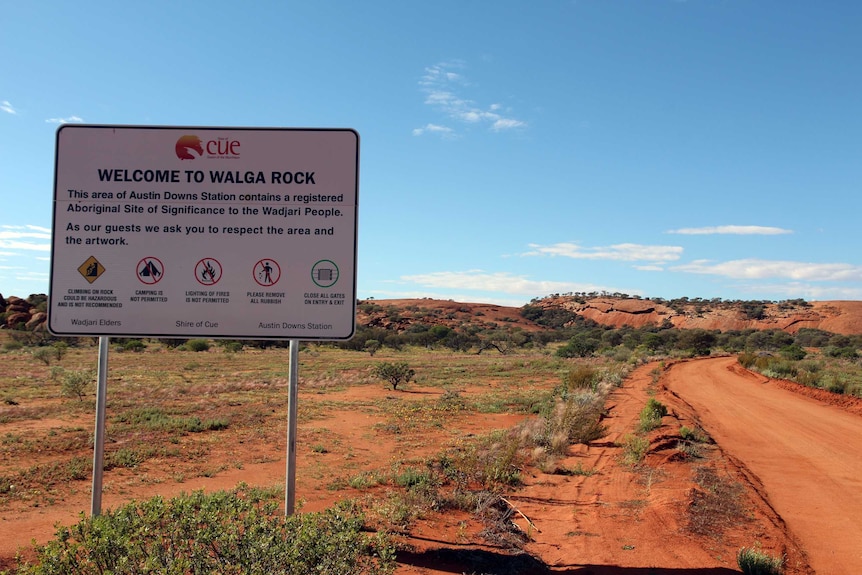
{"points": [[75, 383], [394, 373], [43, 354], [371, 346]]}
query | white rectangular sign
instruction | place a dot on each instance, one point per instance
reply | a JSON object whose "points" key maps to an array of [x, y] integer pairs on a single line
{"points": [[246, 233]]}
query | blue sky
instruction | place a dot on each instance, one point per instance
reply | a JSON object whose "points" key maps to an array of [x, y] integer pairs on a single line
{"points": [[699, 148]]}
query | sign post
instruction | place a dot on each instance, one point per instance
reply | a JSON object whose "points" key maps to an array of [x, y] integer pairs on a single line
{"points": [[99, 435], [241, 233]]}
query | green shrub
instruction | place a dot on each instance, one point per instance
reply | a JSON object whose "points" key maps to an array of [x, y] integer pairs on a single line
{"points": [[846, 352], [835, 384], [753, 561], [12, 345], [225, 532], [651, 414], [635, 449], [75, 383], [197, 345], [394, 373], [43, 354], [581, 377], [793, 352], [60, 349], [696, 434], [808, 378], [746, 359], [135, 345], [233, 346], [371, 346]]}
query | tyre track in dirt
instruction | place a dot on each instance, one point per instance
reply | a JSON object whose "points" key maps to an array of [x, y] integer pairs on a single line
{"points": [[624, 519], [804, 456]]}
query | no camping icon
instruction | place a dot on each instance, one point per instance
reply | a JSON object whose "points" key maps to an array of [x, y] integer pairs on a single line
{"points": [[150, 270]]}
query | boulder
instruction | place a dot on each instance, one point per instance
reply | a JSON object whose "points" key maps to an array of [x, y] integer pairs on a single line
{"points": [[36, 320], [16, 318]]}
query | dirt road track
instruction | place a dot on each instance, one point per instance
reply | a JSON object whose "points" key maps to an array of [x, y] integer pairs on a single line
{"points": [[806, 455]]}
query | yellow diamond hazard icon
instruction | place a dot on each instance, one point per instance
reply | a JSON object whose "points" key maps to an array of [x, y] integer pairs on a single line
{"points": [[91, 269]]}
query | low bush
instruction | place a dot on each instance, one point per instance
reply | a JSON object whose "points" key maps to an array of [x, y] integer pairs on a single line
{"points": [[225, 532], [635, 449], [753, 561], [12, 345], [394, 373], [651, 414], [576, 419], [581, 377], [696, 434], [197, 345], [44, 354], [75, 383]]}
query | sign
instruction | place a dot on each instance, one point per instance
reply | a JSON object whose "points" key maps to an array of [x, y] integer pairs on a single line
{"points": [[246, 233]]}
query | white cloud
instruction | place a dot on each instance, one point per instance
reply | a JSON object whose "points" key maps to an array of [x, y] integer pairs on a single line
{"points": [[807, 291], [440, 85], [617, 252], [32, 276], [460, 297], [69, 120], [7, 107], [763, 269], [19, 238], [507, 124], [432, 128], [500, 282], [12, 232], [732, 230], [649, 268], [13, 245]]}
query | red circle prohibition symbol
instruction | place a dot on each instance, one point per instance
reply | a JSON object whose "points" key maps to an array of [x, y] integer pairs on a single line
{"points": [[266, 272], [208, 271], [150, 270]]}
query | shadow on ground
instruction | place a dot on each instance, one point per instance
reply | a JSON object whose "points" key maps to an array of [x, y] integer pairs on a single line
{"points": [[484, 562]]}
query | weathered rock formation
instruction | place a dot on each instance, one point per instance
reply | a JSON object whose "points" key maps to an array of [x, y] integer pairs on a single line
{"points": [[844, 317], [15, 311]]}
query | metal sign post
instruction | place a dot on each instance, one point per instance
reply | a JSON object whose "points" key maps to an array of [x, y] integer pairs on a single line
{"points": [[99, 440], [293, 393]]}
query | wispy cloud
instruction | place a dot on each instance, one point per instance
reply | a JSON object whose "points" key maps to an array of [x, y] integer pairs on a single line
{"points": [[6, 106], [732, 230], [617, 252], [501, 282], [433, 128], [20, 238], [442, 85], [69, 120], [32, 276], [807, 291], [765, 269], [460, 297]]}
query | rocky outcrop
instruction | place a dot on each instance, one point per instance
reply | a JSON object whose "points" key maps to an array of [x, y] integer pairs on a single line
{"points": [[844, 317], [16, 313]]}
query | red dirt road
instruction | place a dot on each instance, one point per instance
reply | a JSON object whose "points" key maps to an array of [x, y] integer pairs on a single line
{"points": [[805, 456]]}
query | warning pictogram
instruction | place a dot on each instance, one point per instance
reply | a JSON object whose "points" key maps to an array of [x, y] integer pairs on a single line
{"points": [[324, 273], [208, 271], [150, 270], [91, 269], [267, 272]]}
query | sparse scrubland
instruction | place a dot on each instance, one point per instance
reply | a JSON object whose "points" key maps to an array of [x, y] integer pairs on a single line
{"points": [[184, 410]]}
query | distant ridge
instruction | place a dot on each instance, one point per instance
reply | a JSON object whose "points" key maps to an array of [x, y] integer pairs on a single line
{"points": [[839, 316]]}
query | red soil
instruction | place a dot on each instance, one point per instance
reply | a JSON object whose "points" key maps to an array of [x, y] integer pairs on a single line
{"points": [[796, 458]]}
